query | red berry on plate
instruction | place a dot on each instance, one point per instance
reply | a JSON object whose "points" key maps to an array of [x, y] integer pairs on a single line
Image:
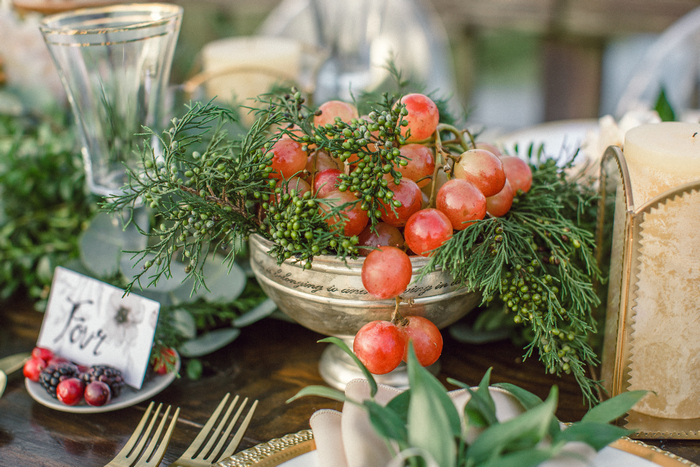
{"points": [[56, 360], [98, 393], [70, 391], [380, 346], [32, 369], [164, 361], [42, 353]]}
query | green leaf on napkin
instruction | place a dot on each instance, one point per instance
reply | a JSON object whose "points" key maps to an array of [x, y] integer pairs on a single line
{"points": [[365, 371], [433, 421], [519, 433], [596, 435], [388, 423], [614, 408], [480, 409]]}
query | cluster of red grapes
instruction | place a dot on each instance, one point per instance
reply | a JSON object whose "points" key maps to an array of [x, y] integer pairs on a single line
{"points": [[401, 193]]}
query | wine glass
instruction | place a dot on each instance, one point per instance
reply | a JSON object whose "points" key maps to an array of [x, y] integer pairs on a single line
{"points": [[114, 62]]}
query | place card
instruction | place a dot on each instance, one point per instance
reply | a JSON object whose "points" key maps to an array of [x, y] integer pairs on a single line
{"points": [[93, 323]]}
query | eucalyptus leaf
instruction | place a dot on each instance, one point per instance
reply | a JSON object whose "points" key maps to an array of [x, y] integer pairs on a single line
{"points": [[527, 458], [130, 267], [209, 342], [525, 397], [344, 347], [223, 284], [433, 421], [184, 324], [261, 311], [525, 430], [614, 408], [596, 435], [529, 401], [321, 391], [387, 423], [101, 245], [481, 409], [399, 404]]}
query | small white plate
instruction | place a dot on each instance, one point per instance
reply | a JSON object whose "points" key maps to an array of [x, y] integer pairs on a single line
{"points": [[128, 397]]}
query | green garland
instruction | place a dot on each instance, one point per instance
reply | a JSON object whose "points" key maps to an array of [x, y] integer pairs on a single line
{"points": [[212, 190]]}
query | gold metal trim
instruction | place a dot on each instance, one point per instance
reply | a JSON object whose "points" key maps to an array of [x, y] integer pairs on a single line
{"points": [[273, 452], [276, 451], [651, 453]]}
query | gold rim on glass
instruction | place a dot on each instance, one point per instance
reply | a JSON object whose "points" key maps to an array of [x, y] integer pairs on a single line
{"points": [[86, 21]]}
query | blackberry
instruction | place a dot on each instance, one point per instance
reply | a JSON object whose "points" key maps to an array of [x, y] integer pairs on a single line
{"points": [[55, 373], [106, 374]]}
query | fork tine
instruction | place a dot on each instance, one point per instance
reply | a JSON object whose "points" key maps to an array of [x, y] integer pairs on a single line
{"points": [[224, 437], [199, 440], [207, 452], [121, 458], [149, 459], [136, 452], [239, 434]]}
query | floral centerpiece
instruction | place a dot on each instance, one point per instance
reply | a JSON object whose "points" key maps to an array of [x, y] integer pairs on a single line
{"points": [[400, 179]]}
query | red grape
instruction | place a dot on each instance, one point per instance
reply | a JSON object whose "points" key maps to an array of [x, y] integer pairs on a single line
{"points": [[518, 173], [423, 117], [426, 338], [325, 182], [356, 218], [498, 205], [98, 393], [483, 169], [421, 163], [384, 235], [299, 185], [386, 272], [320, 161], [489, 147], [288, 158], [332, 109], [380, 346], [462, 202], [411, 199], [426, 230]]}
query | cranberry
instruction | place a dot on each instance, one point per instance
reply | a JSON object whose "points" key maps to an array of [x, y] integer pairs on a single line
{"points": [[32, 369], [70, 391], [42, 353]]}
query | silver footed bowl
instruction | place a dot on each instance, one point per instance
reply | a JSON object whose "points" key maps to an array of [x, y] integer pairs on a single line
{"points": [[330, 299]]}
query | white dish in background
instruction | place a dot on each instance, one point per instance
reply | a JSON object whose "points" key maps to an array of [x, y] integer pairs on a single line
{"points": [[560, 139], [128, 397], [607, 457]]}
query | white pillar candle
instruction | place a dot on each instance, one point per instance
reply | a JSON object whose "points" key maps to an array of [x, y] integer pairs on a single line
{"points": [[665, 288], [242, 68], [661, 156]]}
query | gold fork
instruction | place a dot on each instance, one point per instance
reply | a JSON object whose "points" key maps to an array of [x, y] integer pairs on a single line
{"points": [[207, 456], [133, 451]]}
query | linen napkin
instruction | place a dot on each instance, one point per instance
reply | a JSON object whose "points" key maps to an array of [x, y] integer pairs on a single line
{"points": [[347, 439]]}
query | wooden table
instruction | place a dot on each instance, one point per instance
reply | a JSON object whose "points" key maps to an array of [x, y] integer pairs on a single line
{"points": [[270, 361]]}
